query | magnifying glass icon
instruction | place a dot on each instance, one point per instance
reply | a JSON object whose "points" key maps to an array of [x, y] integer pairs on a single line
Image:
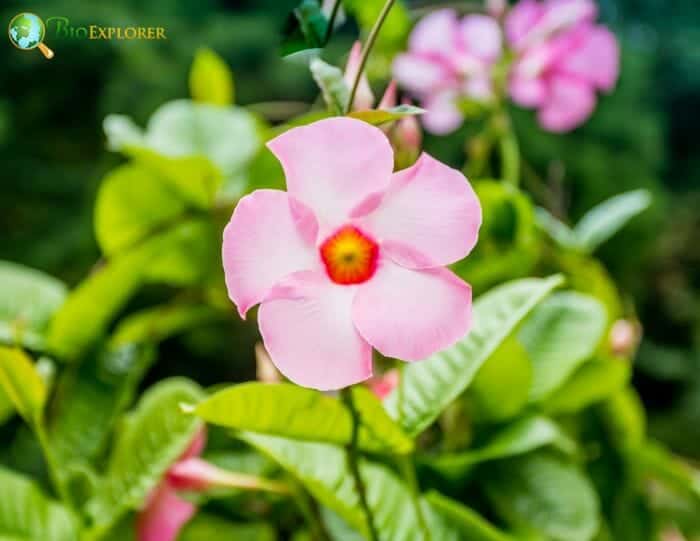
{"points": [[27, 32]]}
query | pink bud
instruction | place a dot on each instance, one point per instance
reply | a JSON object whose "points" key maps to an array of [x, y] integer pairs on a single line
{"points": [[193, 474], [364, 99], [389, 97], [624, 337], [384, 384]]}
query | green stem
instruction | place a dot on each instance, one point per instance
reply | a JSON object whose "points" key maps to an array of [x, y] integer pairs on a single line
{"points": [[510, 157], [408, 470], [331, 21], [353, 463], [366, 50]]}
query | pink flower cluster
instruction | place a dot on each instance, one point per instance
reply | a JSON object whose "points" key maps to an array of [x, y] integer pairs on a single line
{"points": [[561, 58]]}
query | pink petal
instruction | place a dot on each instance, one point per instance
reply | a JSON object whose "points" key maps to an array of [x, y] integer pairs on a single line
{"points": [[307, 328], [562, 14], [164, 516], [478, 88], [521, 19], [435, 34], [266, 239], [334, 164], [197, 445], [364, 99], [389, 98], [527, 91], [442, 115], [411, 314], [570, 103], [596, 58], [429, 217], [421, 74], [193, 474], [480, 35]]}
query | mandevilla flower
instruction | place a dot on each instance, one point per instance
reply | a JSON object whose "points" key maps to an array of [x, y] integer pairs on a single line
{"points": [[449, 58], [352, 256], [563, 58]]}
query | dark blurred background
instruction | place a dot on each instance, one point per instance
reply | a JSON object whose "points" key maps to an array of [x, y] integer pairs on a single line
{"points": [[52, 149]]}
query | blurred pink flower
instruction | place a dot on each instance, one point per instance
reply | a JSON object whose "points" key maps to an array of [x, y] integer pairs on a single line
{"points": [[352, 256], [165, 512], [449, 58], [563, 58]]}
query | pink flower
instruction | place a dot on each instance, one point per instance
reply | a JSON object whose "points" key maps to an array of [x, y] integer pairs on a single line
{"points": [[449, 58], [352, 256], [563, 58], [382, 385], [165, 512]]}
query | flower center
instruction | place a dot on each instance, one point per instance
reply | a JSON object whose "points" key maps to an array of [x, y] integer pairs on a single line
{"points": [[350, 256]]}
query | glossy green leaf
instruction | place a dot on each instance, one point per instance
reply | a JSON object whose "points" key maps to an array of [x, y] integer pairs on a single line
{"points": [[603, 221], [556, 229], [592, 382], [90, 398], [539, 493], [427, 387], [287, 410], [502, 385], [332, 84], [323, 469], [470, 524], [382, 116], [22, 384], [28, 299], [518, 438], [211, 80], [26, 514], [562, 333], [150, 441]]}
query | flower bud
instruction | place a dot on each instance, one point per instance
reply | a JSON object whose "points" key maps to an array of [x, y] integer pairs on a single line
{"points": [[364, 99], [382, 385], [624, 337]]}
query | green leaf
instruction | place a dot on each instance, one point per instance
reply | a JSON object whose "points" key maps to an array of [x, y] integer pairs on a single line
{"points": [[211, 80], [471, 525], [287, 410], [312, 21], [208, 527], [26, 514], [22, 384], [156, 324], [28, 299], [562, 333], [323, 469], [558, 230], [151, 440], [518, 438], [90, 398], [427, 387], [623, 413], [653, 460], [502, 385], [332, 84], [542, 494], [6, 407], [81, 320], [381, 116], [603, 221], [592, 382]]}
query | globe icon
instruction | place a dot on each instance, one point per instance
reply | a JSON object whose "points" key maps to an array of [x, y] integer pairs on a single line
{"points": [[27, 32]]}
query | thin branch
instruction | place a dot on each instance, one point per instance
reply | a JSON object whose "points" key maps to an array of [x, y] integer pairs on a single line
{"points": [[331, 21], [367, 50]]}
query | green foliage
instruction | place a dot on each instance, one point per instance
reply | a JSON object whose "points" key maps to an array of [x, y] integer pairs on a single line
{"points": [[538, 493], [152, 437], [287, 410], [598, 224], [211, 81], [382, 116], [205, 527], [26, 514], [562, 333], [426, 388], [469, 523], [22, 384], [330, 80], [28, 299]]}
